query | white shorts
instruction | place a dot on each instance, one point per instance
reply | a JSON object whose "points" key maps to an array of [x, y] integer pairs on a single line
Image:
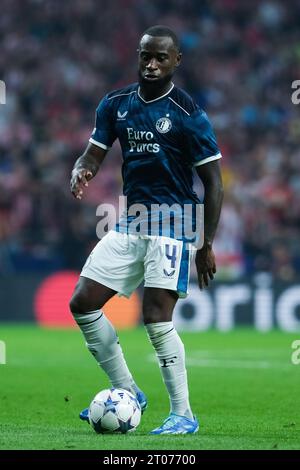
{"points": [[122, 261]]}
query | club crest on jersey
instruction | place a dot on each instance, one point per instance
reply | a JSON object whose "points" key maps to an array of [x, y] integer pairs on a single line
{"points": [[163, 125]]}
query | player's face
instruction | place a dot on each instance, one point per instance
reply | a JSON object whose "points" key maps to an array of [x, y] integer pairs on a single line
{"points": [[158, 58]]}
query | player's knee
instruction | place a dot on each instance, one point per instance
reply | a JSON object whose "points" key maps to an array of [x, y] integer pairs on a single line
{"points": [[155, 314], [78, 304], [158, 305], [156, 309], [83, 302]]}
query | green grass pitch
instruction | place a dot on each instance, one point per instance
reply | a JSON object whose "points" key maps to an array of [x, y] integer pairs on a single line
{"points": [[243, 388]]}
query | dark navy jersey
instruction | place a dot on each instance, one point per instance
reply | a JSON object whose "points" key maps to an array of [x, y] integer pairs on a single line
{"points": [[161, 140]]}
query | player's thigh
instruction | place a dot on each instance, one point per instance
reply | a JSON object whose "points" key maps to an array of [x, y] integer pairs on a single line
{"points": [[89, 295], [116, 262], [167, 265], [158, 304]]}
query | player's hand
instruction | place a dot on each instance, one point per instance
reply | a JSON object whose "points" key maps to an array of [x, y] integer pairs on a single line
{"points": [[79, 179], [206, 265]]}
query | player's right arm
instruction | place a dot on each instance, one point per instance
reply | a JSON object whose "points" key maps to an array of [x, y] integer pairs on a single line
{"points": [[101, 140], [85, 168]]}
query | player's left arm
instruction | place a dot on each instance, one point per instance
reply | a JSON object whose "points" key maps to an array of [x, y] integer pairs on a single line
{"points": [[210, 175]]}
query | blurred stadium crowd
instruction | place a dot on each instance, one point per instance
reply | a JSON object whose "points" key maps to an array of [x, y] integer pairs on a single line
{"points": [[59, 58]]}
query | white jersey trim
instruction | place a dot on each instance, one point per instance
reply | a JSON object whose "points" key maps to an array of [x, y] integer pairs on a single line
{"points": [[155, 99], [121, 94], [179, 106], [209, 159], [99, 144]]}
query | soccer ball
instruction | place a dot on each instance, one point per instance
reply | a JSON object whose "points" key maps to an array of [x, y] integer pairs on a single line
{"points": [[114, 410]]}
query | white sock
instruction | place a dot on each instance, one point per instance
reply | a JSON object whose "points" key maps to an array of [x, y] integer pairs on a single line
{"points": [[103, 342], [170, 353]]}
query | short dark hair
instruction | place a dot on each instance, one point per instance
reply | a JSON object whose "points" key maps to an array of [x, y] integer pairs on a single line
{"points": [[164, 31]]}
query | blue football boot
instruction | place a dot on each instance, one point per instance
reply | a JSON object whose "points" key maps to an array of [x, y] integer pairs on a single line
{"points": [[142, 399], [175, 424], [84, 415]]}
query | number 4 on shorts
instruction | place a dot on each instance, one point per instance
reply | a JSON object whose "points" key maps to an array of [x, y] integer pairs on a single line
{"points": [[171, 257]]}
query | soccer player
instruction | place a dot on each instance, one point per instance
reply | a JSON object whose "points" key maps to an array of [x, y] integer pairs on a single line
{"points": [[164, 135]]}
